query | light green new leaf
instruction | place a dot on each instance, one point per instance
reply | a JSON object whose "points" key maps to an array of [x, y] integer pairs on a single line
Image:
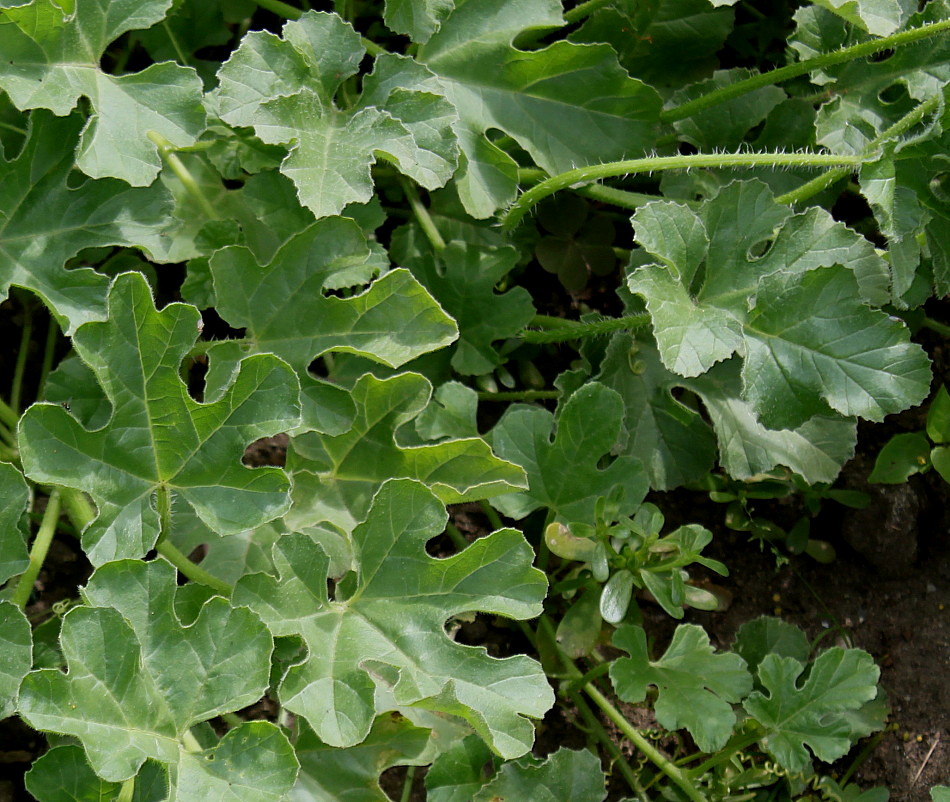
{"points": [[51, 58], [284, 88], [64, 775], [16, 654], [567, 774], [540, 98], [286, 311], [564, 474], [386, 625], [14, 497], [462, 277], [137, 681], [331, 774], [811, 713], [336, 476], [45, 219], [696, 686], [799, 312], [159, 440]]}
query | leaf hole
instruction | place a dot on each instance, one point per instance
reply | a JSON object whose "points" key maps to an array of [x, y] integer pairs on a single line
{"points": [[760, 249], [892, 94], [877, 58]]}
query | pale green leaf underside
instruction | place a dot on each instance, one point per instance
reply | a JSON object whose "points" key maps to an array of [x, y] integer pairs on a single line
{"points": [[51, 59], [137, 679], [388, 627], [286, 310], [336, 476], [158, 437]]}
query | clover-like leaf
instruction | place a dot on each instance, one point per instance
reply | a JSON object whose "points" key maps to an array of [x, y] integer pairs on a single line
{"points": [[284, 88], [800, 318], [386, 625], [811, 713], [541, 98], [138, 679], [159, 440], [51, 58], [45, 219], [286, 310], [352, 774], [564, 474], [696, 686], [462, 278], [336, 476]]}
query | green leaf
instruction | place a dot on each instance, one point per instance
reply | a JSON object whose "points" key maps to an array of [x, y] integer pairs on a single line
{"points": [[878, 17], [462, 278], [418, 19], [336, 476], [809, 714], [567, 774], [45, 219], [458, 773], [14, 498], [540, 98], [680, 445], [938, 416], [940, 793], [287, 312], [940, 458], [451, 413], [696, 686], [138, 680], [665, 43], [809, 340], [51, 59], [766, 635], [17, 654], [352, 774], [386, 627], [284, 88], [64, 775], [564, 473], [159, 440], [902, 456]]}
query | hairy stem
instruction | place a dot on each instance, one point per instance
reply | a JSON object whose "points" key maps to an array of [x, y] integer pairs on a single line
{"points": [[821, 62], [583, 10], [595, 192], [595, 172], [193, 571], [38, 551], [595, 328]]}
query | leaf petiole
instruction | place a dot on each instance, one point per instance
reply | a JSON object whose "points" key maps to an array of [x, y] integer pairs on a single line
{"points": [[38, 551], [168, 153], [191, 570]]}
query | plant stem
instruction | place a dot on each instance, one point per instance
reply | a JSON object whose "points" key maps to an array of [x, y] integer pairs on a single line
{"points": [[661, 761], [651, 164], [596, 192], [190, 742], [421, 213], [281, 9], [493, 517], [38, 551], [407, 784], [163, 503], [583, 10], [232, 720], [16, 390], [457, 537], [127, 791], [193, 571], [935, 325], [595, 328], [167, 151], [78, 507], [519, 395], [781, 74], [825, 180], [8, 416], [551, 322], [49, 351], [725, 754]]}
